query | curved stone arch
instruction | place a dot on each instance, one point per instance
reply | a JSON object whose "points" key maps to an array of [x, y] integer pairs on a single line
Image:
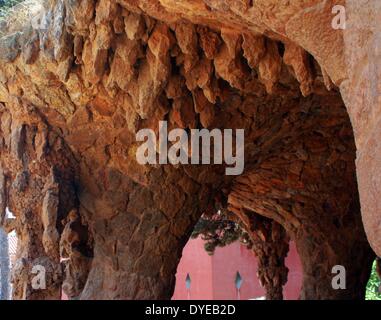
{"points": [[349, 57], [105, 51]]}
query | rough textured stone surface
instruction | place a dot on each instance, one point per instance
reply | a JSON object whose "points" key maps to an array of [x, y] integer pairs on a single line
{"points": [[270, 243], [362, 95], [38, 180], [300, 186], [76, 85]]}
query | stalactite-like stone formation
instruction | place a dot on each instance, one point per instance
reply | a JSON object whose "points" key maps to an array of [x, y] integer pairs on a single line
{"points": [[78, 83]]}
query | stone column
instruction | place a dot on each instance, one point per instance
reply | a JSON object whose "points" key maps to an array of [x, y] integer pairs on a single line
{"points": [[270, 244], [327, 231], [361, 92], [4, 265], [38, 187], [308, 185], [140, 231]]}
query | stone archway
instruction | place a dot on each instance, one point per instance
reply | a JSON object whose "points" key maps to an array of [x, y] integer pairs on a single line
{"points": [[95, 72]]}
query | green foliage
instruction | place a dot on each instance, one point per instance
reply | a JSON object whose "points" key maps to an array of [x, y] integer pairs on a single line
{"points": [[6, 5], [219, 231], [9, 3], [374, 285]]}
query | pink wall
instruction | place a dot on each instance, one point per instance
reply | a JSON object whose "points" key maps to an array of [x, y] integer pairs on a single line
{"points": [[198, 264], [293, 286], [212, 277]]}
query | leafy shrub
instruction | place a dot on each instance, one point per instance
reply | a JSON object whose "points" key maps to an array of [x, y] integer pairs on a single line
{"points": [[14, 14], [6, 5], [374, 285]]}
